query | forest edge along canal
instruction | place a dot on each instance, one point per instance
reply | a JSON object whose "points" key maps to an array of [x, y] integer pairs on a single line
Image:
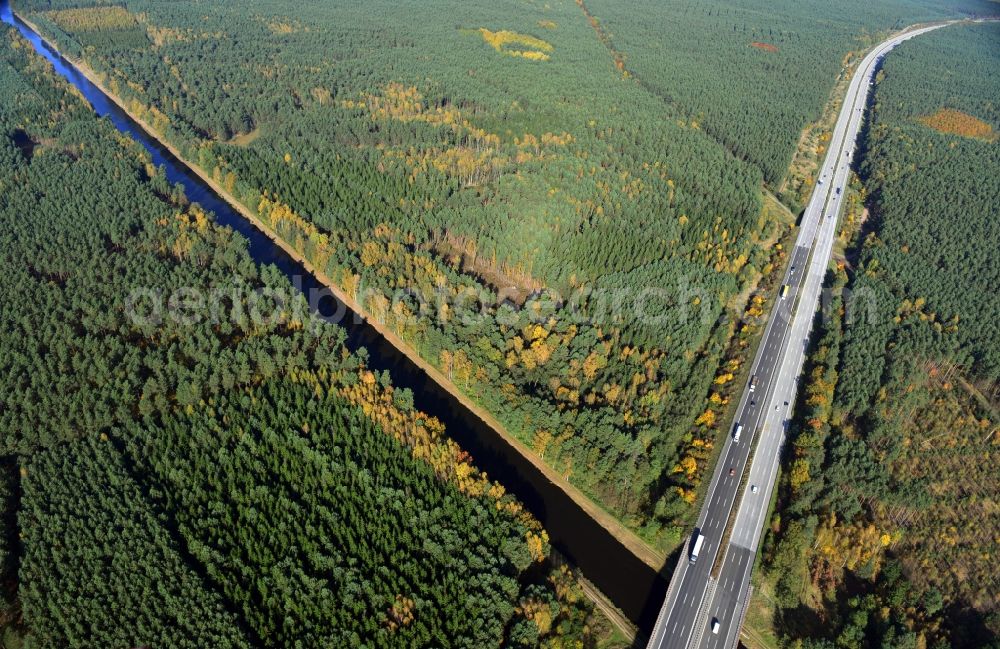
{"points": [[623, 567], [616, 561]]}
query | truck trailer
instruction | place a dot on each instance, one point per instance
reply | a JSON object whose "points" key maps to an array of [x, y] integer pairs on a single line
{"points": [[696, 546]]}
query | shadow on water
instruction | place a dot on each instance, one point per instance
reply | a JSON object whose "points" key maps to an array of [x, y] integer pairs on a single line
{"points": [[633, 586]]}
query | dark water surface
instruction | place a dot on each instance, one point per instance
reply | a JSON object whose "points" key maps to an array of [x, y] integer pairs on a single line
{"points": [[628, 582]]}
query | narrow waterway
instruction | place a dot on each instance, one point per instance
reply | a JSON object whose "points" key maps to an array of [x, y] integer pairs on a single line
{"points": [[634, 587]]}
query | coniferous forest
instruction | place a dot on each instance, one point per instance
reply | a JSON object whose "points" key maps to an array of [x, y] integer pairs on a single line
{"points": [[888, 519], [224, 482], [570, 245], [772, 64], [577, 211]]}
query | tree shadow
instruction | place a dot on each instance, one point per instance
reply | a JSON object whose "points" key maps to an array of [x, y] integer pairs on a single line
{"points": [[970, 629], [24, 143], [800, 622]]}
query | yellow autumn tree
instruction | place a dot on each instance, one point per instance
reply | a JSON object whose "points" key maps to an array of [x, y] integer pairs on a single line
{"points": [[706, 419]]}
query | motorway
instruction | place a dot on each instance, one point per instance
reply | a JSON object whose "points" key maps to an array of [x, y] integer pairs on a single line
{"points": [[695, 599]]}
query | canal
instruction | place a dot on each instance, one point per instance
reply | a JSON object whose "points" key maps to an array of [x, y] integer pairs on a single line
{"points": [[631, 585]]}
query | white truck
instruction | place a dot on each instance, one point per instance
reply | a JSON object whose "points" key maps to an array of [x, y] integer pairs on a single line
{"points": [[696, 547], [737, 432]]}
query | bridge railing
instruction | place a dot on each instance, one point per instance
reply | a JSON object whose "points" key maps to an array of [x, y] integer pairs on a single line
{"points": [[667, 601]]}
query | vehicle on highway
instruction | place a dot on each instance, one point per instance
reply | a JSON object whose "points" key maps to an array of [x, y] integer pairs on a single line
{"points": [[819, 182], [696, 547], [784, 291], [753, 379], [776, 406], [737, 432], [753, 488], [732, 471], [716, 625], [838, 190]]}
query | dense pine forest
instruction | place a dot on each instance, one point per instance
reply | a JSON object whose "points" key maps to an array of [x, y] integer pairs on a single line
{"points": [[421, 156], [229, 481], [772, 65], [887, 532], [571, 248]]}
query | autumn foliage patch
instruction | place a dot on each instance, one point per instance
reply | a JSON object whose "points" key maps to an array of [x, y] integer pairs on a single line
{"points": [[955, 122], [501, 41]]}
